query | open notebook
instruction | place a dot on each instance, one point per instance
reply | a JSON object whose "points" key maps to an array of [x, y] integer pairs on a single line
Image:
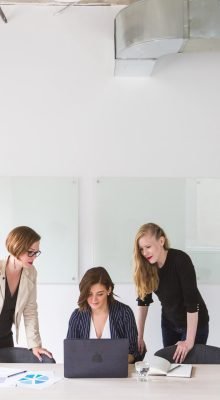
{"points": [[160, 366]]}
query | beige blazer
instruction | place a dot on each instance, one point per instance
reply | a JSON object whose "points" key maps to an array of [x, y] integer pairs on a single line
{"points": [[26, 304]]}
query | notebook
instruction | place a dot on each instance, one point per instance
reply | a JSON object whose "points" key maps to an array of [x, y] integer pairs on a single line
{"points": [[161, 366], [96, 358]]}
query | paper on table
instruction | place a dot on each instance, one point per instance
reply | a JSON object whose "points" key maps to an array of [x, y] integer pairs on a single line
{"points": [[5, 380], [37, 379]]}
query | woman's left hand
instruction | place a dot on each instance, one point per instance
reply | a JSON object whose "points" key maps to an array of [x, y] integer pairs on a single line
{"points": [[37, 351], [183, 347]]}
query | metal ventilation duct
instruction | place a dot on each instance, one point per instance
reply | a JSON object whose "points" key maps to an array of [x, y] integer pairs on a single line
{"points": [[149, 29]]}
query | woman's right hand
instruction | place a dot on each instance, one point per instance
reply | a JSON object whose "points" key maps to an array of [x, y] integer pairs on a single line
{"points": [[37, 351], [141, 345]]}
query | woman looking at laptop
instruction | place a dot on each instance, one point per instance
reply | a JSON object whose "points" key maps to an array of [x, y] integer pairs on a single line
{"points": [[100, 316]]}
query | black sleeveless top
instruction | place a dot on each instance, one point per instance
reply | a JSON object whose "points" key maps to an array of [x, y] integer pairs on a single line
{"points": [[7, 316]]}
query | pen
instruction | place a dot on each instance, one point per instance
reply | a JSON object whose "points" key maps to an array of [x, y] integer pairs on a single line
{"points": [[3, 16], [16, 373], [174, 367]]}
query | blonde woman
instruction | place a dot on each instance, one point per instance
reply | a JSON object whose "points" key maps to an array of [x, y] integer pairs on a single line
{"points": [[18, 289], [170, 274]]}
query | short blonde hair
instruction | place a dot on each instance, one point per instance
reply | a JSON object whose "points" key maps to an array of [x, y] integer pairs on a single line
{"points": [[20, 239]]}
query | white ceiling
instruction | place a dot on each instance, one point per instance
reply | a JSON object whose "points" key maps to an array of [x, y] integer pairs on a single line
{"points": [[67, 2], [64, 3]]}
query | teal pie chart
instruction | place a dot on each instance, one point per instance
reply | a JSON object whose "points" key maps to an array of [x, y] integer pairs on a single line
{"points": [[33, 379]]}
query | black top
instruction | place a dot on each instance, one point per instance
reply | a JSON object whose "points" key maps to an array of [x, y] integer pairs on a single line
{"points": [[177, 290], [6, 317]]}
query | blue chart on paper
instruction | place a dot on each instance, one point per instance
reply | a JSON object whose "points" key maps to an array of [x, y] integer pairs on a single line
{"points": [[34, 379]]}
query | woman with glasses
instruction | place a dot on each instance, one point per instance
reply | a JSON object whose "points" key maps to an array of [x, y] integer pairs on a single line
{"points": [[100, 316], [18, 289]]}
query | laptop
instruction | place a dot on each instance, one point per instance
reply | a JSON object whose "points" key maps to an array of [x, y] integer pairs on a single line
{"points": [[96, 358]]}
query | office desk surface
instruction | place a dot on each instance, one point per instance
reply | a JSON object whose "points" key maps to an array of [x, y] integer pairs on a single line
{"points": [[204, 384]]}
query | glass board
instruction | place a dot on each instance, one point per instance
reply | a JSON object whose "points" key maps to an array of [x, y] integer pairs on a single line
{"points": [[49, 205], [122, 205], [187, 209], [203, 227]]}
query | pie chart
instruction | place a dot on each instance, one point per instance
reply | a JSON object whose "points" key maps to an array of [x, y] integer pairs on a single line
{"points": [[33, 379]]}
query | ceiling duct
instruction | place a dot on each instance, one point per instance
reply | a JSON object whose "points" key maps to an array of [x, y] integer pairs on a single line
{"points": [[149, 29]]}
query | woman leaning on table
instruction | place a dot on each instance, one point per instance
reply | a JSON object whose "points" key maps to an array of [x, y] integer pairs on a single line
{"points": [[100, 316], [171, 275], [18, 289]]}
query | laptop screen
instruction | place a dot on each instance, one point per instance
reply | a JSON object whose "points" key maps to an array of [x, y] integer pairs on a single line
{"points": [[96, 358]]}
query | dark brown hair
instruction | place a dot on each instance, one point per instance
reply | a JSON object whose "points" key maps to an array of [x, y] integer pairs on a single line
{"points": [[20, 239], [91, 277]]}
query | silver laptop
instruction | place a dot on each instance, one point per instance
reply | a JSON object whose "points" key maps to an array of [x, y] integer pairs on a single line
{"points": [[96, 358]]}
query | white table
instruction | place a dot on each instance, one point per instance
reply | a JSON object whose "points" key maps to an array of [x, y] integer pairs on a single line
{"points": [[204, 384]]}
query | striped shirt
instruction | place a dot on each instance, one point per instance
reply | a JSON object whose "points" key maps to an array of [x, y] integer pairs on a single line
{"points": [[122, 325]]}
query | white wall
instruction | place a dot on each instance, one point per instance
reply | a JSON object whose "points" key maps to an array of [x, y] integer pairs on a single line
{"points": [[62, 112]]}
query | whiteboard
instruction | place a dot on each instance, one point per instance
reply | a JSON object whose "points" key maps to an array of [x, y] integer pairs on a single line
{"points": [[203, 205], [49, 205], [188, 209], [203, 227], [122, 205], [207, 265]]}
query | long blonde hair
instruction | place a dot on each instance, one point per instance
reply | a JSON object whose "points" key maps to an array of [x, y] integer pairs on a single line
{"points": [[145, 274]]}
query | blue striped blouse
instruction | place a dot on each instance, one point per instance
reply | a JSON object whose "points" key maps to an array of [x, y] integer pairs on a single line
{"points": [[122, 325]]}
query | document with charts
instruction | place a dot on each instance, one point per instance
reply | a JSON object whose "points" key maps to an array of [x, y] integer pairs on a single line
{"points": [[160, 366], [37, 379]]}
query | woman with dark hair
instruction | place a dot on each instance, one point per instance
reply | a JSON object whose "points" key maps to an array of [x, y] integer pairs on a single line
{"points": [[171, 275], [100, 316], [18, 289]]}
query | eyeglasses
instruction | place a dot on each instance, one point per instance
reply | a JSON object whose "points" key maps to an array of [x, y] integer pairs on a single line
{"points": [[31, 253]]}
